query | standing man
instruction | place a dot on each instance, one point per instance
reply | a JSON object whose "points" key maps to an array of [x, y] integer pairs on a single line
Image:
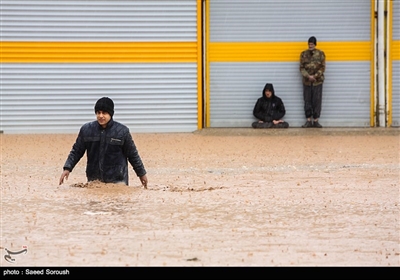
{"points": [[312, 68], [108, 145]]}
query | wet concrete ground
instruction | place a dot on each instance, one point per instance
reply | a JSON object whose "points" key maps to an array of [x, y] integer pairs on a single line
{"points": [[216, 197]]}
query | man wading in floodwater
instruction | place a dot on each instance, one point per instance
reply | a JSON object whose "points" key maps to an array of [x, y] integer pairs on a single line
{"points": [[108, 145]]}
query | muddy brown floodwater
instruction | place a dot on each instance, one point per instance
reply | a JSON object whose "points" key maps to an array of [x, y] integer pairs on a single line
{"points": [[216, 197]]}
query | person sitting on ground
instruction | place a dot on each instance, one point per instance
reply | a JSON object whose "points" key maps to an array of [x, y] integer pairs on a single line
{"points": [[269, 110]]}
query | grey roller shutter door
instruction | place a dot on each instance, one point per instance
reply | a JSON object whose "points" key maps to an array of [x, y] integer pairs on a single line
{"points": [[149, 96], [235, 86]]}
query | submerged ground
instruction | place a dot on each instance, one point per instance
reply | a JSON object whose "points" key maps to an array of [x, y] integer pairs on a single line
{"points": [[216, 197]]}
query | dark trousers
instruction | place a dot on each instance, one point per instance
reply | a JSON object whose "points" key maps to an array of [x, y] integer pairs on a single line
{"points": [[312, 101], [269, 125]]}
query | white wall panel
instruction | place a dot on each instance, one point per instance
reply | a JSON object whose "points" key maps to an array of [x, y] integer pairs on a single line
{"points": [[60, 98], [61, 20], [289, 20], [233, 98]]}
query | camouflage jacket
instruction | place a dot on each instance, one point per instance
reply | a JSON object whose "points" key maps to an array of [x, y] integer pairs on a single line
{"points": [[312, 63]]}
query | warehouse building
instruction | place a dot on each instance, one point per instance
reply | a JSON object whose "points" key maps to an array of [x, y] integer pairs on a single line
{"points": [[184, 65]]}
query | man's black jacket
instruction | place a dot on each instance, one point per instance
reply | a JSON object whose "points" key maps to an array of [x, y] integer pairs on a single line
{"points": [[108, 152]]}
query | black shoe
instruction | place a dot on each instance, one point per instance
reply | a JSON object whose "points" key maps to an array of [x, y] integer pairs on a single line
{"points": [[317, 124], [281, 125], [307, 124], [284, 125], [266, 125], [261, 125]]}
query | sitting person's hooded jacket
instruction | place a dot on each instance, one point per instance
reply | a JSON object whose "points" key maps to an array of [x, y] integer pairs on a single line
{"points": [[269, 109]]}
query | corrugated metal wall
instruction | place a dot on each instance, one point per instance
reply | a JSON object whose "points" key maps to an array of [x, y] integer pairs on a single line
{"points": [[251, 43], [396, 64], [59, 57]]}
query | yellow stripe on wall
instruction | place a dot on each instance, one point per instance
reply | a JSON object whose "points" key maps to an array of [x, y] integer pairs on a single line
{"points": [[98, 52], [395, 51], [286, 51]]}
